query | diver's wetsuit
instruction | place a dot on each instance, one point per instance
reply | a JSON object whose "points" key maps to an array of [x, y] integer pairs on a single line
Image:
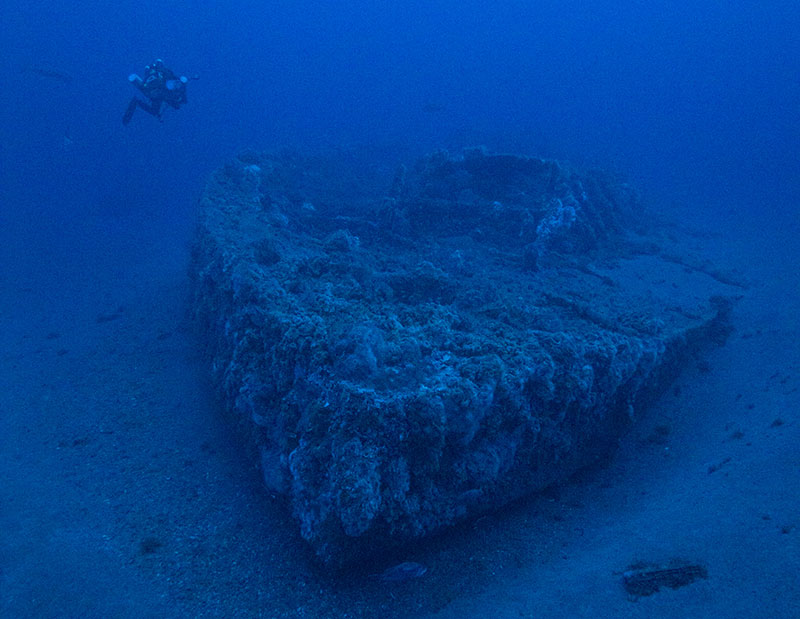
{"points": [[160, 86]]}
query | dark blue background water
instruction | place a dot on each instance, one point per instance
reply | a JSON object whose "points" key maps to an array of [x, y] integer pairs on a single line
{"points": [[693, 100]]}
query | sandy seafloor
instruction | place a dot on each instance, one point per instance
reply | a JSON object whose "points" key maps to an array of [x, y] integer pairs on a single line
{"points": [[123, 492]]}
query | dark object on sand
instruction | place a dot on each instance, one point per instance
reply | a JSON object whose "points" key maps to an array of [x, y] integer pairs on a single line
{"points": [[405, 354], [149, 545], [403, 571], [50, 73], [645, 579], [109, 316]]}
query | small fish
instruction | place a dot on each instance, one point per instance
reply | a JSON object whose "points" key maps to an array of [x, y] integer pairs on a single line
{"points": [[49, 72], [431, 107], [402, 571]]}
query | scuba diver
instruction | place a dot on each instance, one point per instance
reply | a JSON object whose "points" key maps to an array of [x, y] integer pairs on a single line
{"points": [[160, 85]]}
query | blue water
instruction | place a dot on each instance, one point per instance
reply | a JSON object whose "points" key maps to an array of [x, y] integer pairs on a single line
{"points": [[698, 103], [686, 97]]}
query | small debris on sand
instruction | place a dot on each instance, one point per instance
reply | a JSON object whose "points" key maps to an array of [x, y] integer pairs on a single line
{"points": [[642, 579]]}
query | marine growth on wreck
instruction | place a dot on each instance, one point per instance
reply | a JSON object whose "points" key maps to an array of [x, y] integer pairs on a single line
{"points": [[408, 350]]}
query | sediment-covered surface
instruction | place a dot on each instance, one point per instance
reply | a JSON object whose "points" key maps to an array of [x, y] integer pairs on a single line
{"points": [[404, 353]]}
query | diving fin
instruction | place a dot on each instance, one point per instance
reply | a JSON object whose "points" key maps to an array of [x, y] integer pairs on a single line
{"points": [[129, 112]]}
